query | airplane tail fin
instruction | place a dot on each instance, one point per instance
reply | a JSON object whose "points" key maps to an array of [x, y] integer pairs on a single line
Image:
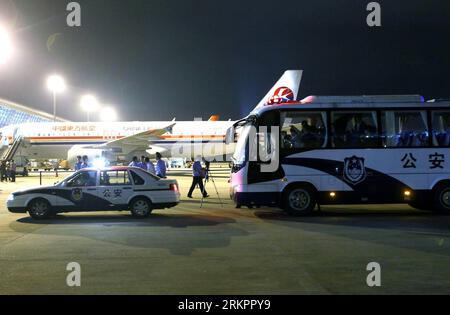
{"points": [[214, 118], [285, 90]]}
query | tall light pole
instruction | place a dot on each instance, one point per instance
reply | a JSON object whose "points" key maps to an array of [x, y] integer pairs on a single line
{"points": [[6, 47], [89, 104], [56, 85]]}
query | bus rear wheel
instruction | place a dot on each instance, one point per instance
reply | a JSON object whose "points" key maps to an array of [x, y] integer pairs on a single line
{"points": [[299, 201], [441, 200]]}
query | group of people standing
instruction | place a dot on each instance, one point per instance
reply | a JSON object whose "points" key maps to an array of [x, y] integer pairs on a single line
{"points": [[8, 171], [82, 162], [160, 169]]}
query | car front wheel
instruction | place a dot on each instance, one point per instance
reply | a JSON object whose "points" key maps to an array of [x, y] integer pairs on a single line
{"points": [[140, 208], [40, 209]]}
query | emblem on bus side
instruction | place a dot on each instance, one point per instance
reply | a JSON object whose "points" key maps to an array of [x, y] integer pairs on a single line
{"points": [[354, 170], [77, 194]]}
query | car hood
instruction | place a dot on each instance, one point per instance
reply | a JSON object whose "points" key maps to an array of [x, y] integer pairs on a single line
{"points": [[32, 190]]}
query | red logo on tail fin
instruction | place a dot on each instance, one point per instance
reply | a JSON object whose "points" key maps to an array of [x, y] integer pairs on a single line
{"points": [[281, 95]]}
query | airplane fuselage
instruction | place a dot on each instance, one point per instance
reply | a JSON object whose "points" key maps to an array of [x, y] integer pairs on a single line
{"points": [[54, 140]]}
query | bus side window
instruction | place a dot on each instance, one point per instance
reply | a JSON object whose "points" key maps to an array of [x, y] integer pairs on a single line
{"points": [[303, 130], [441, 128], [354, 129], [404, 128]]}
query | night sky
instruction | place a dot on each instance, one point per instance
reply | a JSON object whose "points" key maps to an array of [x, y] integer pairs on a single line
{"points": [[160, 59]]}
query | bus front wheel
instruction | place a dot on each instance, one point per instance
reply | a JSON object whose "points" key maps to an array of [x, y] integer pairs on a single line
{"points": [[299, 200], [442, 198]]}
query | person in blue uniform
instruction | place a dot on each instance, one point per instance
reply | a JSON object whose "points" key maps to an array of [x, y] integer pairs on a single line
{"points": [[85, 162], [78, 164], [134, 162], [160, 168], [142, 164], [198, 173], [150, 166]]}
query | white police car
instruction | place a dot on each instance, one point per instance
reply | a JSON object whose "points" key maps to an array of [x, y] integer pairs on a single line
{"points": [[113, 188]]}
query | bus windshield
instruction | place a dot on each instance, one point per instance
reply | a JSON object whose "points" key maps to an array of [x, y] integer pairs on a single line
{"points": [[240, 153]]}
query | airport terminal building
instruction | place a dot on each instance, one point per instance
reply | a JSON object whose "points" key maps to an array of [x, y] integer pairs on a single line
{"points": [[12, 113]]}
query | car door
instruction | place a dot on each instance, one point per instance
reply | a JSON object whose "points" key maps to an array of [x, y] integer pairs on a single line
{"points": [[115, 188], [80, 191]]}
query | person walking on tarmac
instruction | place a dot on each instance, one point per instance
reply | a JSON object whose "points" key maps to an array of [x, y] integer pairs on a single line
{"points": [[12, 170], [8, 171], [3, 171], [78, 164], [198, 173], [160, 166]]}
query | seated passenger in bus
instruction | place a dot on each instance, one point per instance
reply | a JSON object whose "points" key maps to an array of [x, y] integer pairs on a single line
{"points": [[359, 133], [310, 136], [295, 137], [442, 139], [307, 137], [413, 132], [286, 140], [441, 129]]}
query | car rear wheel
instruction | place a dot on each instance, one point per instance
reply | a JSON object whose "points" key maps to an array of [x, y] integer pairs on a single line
{"points": [[141, 208], [299, 201], [40, 209]]}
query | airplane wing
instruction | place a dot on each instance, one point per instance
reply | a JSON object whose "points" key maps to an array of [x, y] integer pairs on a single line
{"points": [[142, 139]]}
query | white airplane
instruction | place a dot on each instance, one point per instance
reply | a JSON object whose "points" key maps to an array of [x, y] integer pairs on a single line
{"points": [[173, 139]]}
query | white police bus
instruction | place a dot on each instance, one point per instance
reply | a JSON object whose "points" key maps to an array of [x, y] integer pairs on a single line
{"points": [[343, 150]]}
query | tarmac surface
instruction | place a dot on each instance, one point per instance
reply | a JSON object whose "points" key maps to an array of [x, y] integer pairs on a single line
{"points": [[222, 250]]}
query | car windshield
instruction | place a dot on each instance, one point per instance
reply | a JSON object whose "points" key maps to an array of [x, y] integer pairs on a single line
{"points": [[82, 179], [65, 180]]}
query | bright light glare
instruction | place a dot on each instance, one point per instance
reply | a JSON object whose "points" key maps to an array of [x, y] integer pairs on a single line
{"points": [[99, 163], [108, 114], [56, 84], [6, 48], [89, 103]]}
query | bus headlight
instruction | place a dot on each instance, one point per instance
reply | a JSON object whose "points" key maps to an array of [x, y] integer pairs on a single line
{"points": [[407, 195]]}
